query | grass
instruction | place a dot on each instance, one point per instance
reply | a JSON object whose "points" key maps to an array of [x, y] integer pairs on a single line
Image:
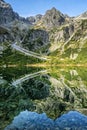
{"points": [[10, 56]]}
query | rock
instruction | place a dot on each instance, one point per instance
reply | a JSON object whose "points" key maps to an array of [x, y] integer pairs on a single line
{"points": [[33, 121], [72, 121], [38, 17], [31, 19], [53, 17], [34, 19], [7, 14], [36, 39]]}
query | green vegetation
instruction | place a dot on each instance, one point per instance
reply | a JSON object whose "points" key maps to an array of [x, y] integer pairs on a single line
{"points": [[13, 57], [82, 57], [13, 99]]}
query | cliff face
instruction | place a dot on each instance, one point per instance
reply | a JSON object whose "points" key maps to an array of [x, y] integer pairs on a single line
{"points": [[53, 17], [77, 45], [36, 40], [12, 26], [6, 13], [34, 19]]}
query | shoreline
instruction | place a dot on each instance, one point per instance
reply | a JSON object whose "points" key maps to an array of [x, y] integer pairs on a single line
{"points": [[44, 65]]}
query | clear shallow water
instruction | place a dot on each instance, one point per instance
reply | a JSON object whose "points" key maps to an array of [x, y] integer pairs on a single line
{"points": [[33, 121], [54, 92]]}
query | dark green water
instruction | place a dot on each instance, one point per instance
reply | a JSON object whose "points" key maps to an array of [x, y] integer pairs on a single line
{"points": [[54, 92]]}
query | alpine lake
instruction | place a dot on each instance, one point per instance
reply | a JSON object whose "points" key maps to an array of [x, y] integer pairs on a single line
{"points": [[53, 90]]}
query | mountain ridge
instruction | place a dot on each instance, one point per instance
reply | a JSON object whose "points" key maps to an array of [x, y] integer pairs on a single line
{"points": [[53, 33]]}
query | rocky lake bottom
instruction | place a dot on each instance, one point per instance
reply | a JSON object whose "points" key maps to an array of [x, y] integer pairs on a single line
{"points": [[32, 121]]}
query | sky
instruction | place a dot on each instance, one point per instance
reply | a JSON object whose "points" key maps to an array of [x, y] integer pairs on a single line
{"points": [[27, 8]]}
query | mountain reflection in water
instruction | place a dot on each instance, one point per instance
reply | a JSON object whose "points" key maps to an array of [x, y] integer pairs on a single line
{"points": [[55, 92]]}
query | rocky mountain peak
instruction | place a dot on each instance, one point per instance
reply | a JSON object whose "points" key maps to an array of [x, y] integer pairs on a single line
{"points": [[54, 11], [53, 17], [7, 15], [3, 4]]}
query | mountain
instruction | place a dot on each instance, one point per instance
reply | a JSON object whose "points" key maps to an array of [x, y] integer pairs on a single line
{"points": [[51, 26], [12, 26], [7, 14], [82, 16], [53, 17], [76, 46], [54, 33], [67, 35]]}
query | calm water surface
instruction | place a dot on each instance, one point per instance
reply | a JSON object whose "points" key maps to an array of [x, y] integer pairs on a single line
{"points": [[54, 91]]}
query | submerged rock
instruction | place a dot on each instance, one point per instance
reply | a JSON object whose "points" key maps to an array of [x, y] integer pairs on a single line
{"points": [[72, 121], [31, 121], [27, 120]]}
